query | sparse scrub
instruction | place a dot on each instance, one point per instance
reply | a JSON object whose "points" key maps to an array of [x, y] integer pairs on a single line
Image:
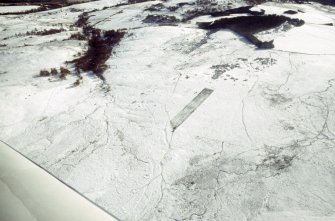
{"points": [[137, 1], [155, 7], [82, 20], [44, 73], [54, 71], [45, 32], [219, 11], [161, 19], [76, 83], [324, 2], [78, 36], [43, 7], [63, 73]]}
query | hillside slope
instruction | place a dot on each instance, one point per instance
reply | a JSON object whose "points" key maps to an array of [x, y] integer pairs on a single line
{"points": [[166, 110]]}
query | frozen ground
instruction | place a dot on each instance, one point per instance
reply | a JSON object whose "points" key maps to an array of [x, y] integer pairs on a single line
{"points": [[7, 9], [260, 147]]}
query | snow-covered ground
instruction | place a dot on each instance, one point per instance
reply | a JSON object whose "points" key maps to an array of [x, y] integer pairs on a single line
{"points": [[21, 8], [260, 147]]}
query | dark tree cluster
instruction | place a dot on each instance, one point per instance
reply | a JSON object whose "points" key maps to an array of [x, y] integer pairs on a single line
{"points": [[100, 46]]}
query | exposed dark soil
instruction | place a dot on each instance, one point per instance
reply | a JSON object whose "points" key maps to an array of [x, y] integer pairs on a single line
{"points": [[247, 26]]}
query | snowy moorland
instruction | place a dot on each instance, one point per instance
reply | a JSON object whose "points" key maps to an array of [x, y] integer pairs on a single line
{"points": [[260, 146], [7, 9]]}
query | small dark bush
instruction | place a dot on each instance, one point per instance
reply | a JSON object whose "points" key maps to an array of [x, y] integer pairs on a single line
{"points": [[54, 71], [181, 4], [155, 7], [50, 32], [44, 73], [172, 8], [76, 83], [63, 73], [82, 20], [290, 12], [78, 36], [75, 10]]}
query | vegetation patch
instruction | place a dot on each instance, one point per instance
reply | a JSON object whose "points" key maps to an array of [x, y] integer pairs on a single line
{"points": [[44, 73], [77, 36], [61, 74], [100, 47], [220, 11], [161, 19], [277, 162], [45, 32], [223, 68], [324, 2], [138, 1], [155, 7], [42, 7], [247, 26], [130, 2], [36, 32], [290, 12]]}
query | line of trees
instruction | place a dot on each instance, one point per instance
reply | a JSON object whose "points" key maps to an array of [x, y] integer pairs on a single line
{"points": [[42, 1]]}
